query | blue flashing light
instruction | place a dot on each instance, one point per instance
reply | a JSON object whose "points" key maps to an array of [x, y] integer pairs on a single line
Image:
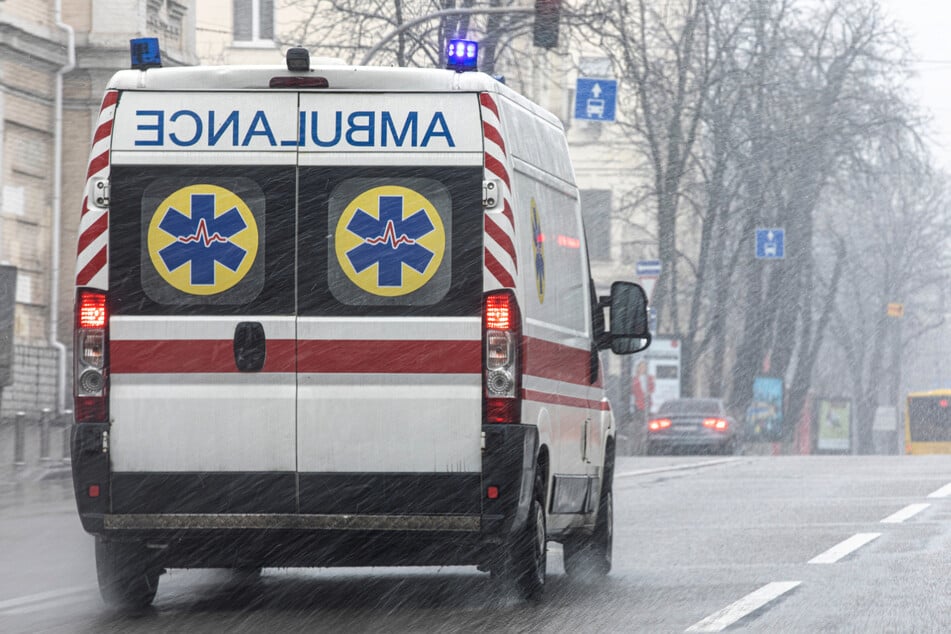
{"points": [[462, 55], [145, 53]]}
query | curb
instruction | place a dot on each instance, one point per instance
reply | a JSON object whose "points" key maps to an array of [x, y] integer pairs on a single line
{"points": [[41, 473]]}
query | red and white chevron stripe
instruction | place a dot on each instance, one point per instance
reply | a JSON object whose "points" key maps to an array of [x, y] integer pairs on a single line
{"points": [[501, 262], [93, 252]]}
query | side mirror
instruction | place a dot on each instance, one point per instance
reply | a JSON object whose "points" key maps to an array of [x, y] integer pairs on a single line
{"points": [[628, 314]]}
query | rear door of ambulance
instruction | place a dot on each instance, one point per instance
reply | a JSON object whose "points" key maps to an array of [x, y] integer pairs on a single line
{"points": [[201, 292], [389, 297]]}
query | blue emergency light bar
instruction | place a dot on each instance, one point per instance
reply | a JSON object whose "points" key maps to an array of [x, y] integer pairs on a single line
{"points": [[145, 53], [462, 55]]}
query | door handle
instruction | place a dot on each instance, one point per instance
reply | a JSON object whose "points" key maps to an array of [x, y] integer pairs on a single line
{"points": [[584, 441], [250, 346]]}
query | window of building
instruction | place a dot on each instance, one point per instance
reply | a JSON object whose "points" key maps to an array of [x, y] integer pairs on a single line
{"points": [[596, 210], [253, 21]]}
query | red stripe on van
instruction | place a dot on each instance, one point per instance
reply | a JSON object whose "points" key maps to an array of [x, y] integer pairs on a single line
{"points": [[487, 101], [498, 271], [559, 399], [93, 231], [495, 166], [507, 212], [102, 131], [390, 356], [97, 164], [94, 265], [503, 239], [557, 362], [191, 356], [493, 135], [109, 99]]}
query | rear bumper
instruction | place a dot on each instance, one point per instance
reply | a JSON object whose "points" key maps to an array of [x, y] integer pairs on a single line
{"points": [[688, 440], [303, 519]]}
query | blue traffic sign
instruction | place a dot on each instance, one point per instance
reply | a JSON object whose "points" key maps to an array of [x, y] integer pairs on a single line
{"points": [[770, 244], [647, 268], [595, 99]]}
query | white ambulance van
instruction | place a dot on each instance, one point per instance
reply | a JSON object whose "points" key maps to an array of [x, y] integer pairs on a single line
{"points": [[338, 316]]}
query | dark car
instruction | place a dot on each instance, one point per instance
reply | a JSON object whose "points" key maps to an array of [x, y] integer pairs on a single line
{"points": [[697, 424]]}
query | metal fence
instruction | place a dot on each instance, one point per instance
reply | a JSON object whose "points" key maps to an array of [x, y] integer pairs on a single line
{"points": [[44, 432]]}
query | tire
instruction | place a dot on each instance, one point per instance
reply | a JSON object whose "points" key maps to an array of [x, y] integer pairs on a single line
{"points": [[127, 576], [528, 563], [590, 555]]}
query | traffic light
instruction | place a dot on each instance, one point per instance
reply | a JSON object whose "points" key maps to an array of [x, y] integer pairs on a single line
{"points": [[546, 23]]}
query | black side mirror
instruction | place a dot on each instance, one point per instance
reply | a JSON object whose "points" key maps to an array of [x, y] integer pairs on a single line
{"points": [[629, 327]]}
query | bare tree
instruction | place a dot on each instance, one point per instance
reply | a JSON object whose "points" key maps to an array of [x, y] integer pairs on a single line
{"points": [[836, 96], [350, 28], [889, 215], [663, 55]]}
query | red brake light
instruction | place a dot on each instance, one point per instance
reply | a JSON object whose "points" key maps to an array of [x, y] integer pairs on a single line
{"points": [[498, 311], [943, 402], [658, 424], [299, 82], [90, 346], [91, 312], [720, 424], [501, 341]]}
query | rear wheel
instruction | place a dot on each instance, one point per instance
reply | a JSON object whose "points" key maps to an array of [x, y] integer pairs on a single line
{"points": [[528, 561], [127, 576]]}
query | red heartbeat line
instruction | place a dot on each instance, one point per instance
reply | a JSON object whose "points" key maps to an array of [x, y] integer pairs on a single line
{"points": [[389, 236], [202, 234]]}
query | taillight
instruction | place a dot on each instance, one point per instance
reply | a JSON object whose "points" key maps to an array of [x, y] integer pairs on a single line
{"points": [[89, 354], [657, 424], [718, 424], [501, 335], [299, 82]]}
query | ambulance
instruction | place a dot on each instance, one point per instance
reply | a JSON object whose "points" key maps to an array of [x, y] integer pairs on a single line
{"points": [[330, 315]]}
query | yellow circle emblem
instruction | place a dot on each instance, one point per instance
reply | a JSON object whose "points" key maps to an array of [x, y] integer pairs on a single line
{"points": [[390, 241], [203, 239]]}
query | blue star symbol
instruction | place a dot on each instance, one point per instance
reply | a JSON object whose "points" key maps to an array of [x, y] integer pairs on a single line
{"points": [[202, 239], [390, 241]]}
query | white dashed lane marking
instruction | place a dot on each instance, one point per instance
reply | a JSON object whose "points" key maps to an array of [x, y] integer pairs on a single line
{"points": [[943, 492], [842, 549], [719, 621], [909, 511]]}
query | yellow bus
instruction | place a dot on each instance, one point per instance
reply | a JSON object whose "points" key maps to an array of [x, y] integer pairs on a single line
{"points": [[928, 422]]}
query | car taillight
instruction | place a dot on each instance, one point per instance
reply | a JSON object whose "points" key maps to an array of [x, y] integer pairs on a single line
{"points": [[657, 424], [89, 354], [718, 424], [501, 336]]}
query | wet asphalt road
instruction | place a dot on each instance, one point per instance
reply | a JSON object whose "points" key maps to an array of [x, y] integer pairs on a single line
{"points": [[758, 544]]}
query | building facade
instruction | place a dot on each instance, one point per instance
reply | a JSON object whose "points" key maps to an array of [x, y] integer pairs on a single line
{"points": [[55, 60]]}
